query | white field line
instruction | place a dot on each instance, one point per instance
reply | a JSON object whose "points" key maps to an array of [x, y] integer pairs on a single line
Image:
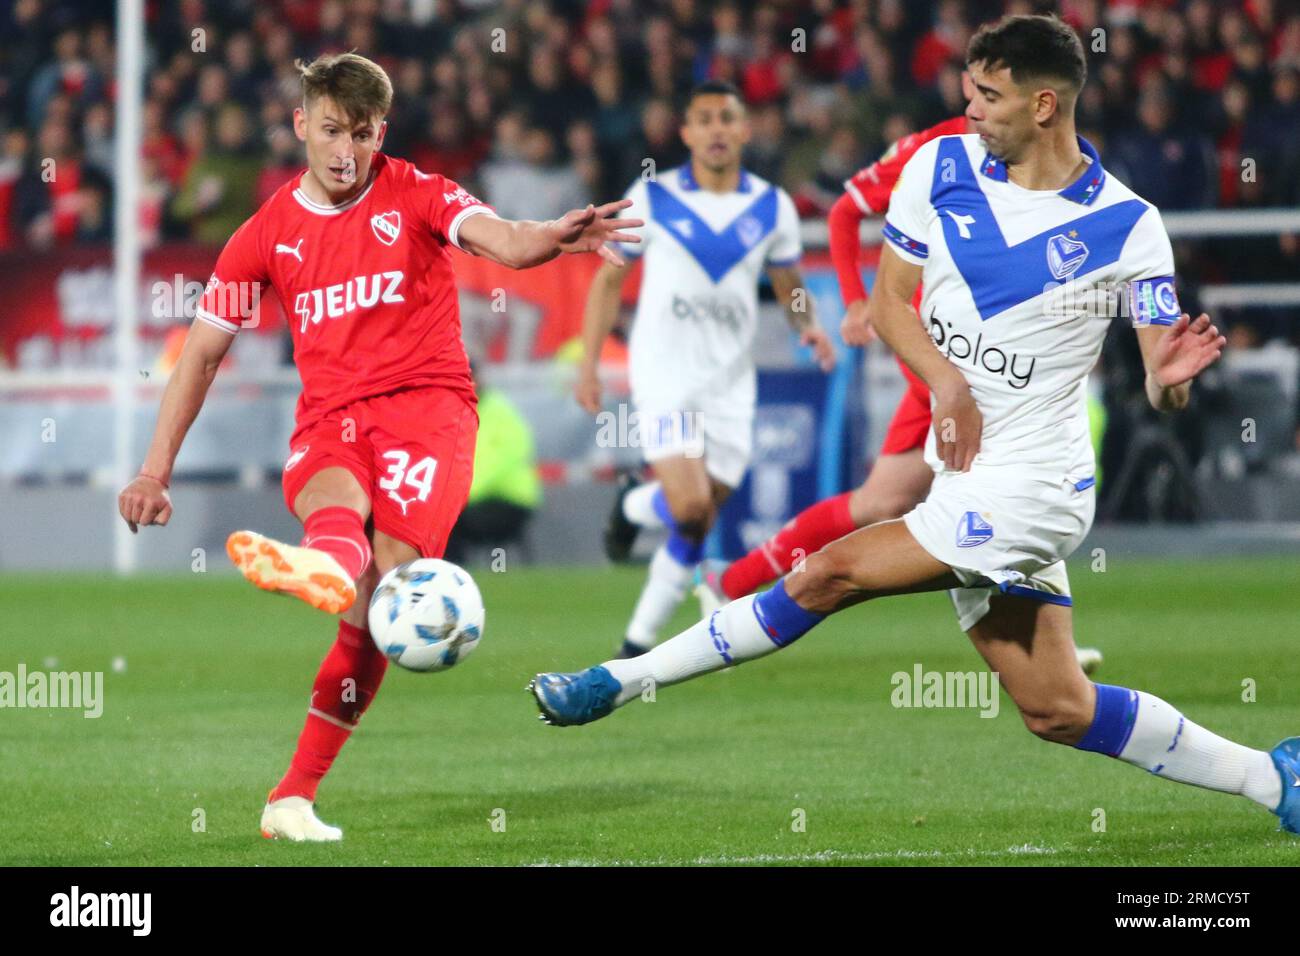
{"points": [[821, 856]]}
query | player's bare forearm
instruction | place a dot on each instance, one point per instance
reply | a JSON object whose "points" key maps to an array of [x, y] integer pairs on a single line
{"points": [[144, 501], [958, 423], [601, 311], [524, 243], [515, 243], [1171, 399], [186, 390], [890, 313], [788, 287], [598, 320]]}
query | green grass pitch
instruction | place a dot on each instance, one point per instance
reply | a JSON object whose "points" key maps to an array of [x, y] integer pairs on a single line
{"points": [[797, 758]]}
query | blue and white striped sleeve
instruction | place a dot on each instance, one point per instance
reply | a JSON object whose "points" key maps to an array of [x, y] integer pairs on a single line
{"points": [[908, 218]]}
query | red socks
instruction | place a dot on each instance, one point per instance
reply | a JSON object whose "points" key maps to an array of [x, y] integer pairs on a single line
{"points": [[806, 533], [346, 683], [341, 533]]}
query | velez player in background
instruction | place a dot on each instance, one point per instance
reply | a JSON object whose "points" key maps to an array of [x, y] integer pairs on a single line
{"points": [[900, 477], [994, 222], [382, 453], [712, 228]]}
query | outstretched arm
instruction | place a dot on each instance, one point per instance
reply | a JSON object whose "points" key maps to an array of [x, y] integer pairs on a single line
{"points": [[523, 243], [1176, 354], [144, 501]]}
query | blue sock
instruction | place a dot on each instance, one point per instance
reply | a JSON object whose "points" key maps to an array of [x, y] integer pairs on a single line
{"points": [[684, 551], [781, 618], [1112, 722]]}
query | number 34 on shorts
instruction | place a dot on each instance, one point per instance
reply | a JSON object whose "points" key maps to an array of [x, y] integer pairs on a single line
{"points": [[407, 482]]}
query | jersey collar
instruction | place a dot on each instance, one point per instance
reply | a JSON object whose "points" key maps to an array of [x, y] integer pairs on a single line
{"points": [[686, 179], [1083, 190], [321, 209]]}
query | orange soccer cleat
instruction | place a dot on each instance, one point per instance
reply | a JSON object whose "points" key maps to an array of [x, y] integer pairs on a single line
{"points": [[306, 573]]}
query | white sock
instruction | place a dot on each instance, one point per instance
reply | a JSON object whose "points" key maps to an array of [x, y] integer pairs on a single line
{"points": [[664, 589], [730, 636], [1169, 745], [638, 506]]}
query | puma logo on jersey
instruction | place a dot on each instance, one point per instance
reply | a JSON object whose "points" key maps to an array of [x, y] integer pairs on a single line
{"points": [[403, 502], [682, 227], [336, 301], [291, 250]]}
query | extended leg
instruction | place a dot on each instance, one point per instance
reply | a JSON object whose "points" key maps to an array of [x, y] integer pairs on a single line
{"points": [[1031, 647], [873, 562], [323, 569]]}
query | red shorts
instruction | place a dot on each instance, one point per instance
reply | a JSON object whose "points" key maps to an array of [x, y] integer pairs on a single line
{"points": [[412, 451], [911, 421]]}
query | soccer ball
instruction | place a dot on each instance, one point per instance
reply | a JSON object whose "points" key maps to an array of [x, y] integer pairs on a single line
{"points": [[426, 615]]}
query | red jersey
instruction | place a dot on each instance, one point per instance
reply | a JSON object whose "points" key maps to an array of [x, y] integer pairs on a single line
{"points": [[867, 194], [367, 285], [871, 186]]}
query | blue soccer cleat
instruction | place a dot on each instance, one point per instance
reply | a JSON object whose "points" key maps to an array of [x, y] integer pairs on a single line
{"points": [[566, 700], [1286, 757]]}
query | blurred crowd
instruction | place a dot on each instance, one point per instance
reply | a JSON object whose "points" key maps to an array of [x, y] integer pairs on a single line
{"points": [[540, 106]]}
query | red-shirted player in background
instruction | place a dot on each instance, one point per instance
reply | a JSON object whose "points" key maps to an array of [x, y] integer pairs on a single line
{"points": [[356, 249], [900, 478]]}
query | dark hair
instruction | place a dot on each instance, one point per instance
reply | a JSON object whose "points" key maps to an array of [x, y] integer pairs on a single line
{"points": [[713, 88], [1033, 47]]}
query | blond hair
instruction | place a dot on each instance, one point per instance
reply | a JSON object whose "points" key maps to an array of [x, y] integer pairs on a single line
{"points": [[359, 87]]}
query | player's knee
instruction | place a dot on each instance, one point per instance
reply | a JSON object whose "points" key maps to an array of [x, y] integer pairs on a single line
{"points": [[693, 515], [1062, 720], [314, 497], [820, 581]]}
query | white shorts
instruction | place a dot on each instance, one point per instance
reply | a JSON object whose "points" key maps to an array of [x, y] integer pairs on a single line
{"points": [[725, 442], [1004, 529]]}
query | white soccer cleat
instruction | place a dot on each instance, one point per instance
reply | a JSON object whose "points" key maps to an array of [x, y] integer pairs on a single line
{"points": [[306, 573], [1089, 658], [294, 818]]}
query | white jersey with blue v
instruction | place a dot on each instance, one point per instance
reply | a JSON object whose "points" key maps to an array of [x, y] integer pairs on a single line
{"points": [[1019, 288], [697, 314]]}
